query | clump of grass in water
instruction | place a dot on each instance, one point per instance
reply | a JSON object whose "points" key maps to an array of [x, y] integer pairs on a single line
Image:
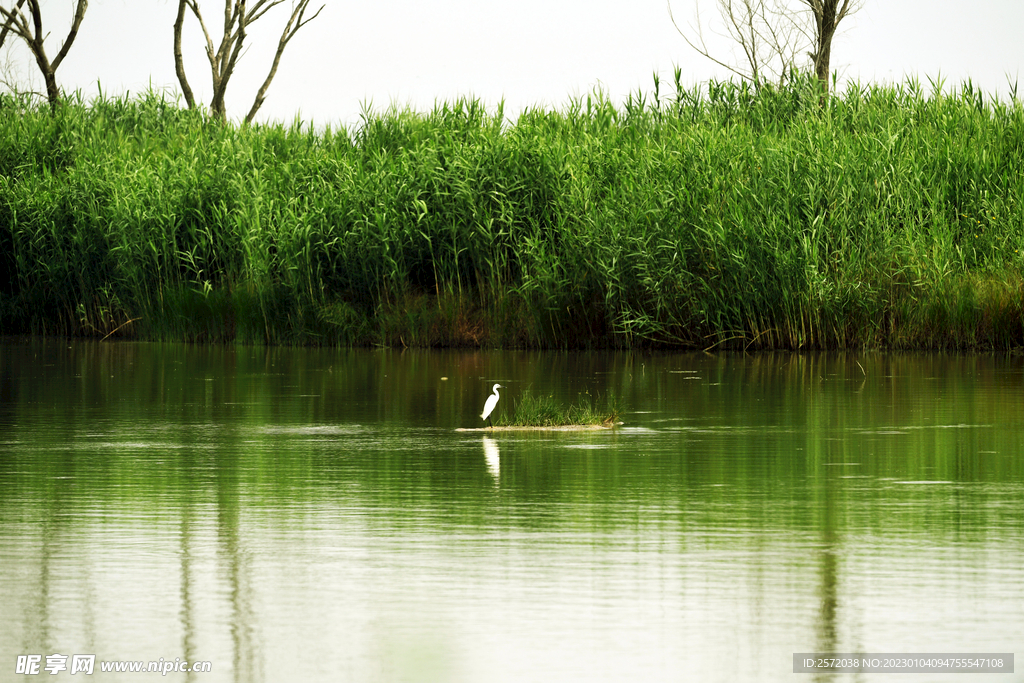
{"points": [[530, 410]]}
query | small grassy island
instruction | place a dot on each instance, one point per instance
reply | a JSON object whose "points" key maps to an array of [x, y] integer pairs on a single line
{"points": [[534, 412]]}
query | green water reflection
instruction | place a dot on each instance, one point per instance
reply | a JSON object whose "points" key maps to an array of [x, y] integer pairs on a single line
{"points": [[297, 514]]}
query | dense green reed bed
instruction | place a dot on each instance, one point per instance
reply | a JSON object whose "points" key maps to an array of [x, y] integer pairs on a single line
{"points": [[716, 217]]}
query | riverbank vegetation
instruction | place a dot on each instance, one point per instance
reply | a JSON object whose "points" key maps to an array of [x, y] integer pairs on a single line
{"points": [[715, 217]]}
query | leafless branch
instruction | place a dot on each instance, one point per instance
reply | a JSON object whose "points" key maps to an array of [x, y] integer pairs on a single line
{"points": [[9, 14], [294, 24], [75, 24], [179, 62], [702, 48], [771, 34]]}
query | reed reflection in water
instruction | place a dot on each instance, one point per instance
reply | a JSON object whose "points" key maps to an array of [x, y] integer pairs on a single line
{"points": [[298, 514]]}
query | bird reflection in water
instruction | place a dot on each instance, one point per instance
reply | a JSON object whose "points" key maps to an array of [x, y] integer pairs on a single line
{"points": [[492, 456]]}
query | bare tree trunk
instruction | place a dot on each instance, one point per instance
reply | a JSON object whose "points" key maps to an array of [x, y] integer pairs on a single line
{"points": [[15, 20], [827, 15], [179, 63], [224, 58], [824, 19]]}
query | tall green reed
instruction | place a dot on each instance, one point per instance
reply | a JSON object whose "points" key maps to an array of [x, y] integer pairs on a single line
{"points": [[713, 217]]}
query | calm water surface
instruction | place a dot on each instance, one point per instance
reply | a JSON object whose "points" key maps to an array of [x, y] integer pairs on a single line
{"points": [[311, 515]]}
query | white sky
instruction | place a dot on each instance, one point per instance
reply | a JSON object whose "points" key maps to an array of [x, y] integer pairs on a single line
{"points": [[527, 52]]}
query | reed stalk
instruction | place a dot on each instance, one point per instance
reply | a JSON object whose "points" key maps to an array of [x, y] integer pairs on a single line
{"points": [[716, 218]]}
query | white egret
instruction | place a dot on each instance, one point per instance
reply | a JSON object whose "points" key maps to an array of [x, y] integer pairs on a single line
{"points": [[492, 401]]}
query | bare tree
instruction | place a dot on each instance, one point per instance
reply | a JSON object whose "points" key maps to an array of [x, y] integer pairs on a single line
{"points": [[223, 59], [773, 34], [15, 21]]}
